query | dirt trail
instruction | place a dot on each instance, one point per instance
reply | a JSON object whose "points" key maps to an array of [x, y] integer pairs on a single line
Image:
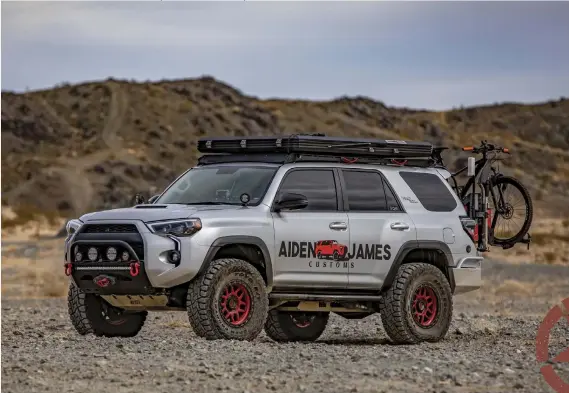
{"points": [[72, 170]]}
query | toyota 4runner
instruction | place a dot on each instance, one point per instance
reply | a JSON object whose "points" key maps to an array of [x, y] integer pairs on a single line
{"points": [[276, 233]]}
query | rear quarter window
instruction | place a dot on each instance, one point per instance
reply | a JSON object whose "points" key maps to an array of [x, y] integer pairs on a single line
{"points": [[430, 190]]}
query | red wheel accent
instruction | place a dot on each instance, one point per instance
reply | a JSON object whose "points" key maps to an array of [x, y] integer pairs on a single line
{"points": [[424, 306], [235, 304], [68, 269]]}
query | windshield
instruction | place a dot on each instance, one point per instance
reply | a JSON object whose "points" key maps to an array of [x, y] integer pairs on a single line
{"points": [[220, 185]]}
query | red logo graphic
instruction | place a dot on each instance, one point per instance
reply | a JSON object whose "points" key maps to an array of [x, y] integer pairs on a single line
{"points": [[330, 248], [542, 348]]}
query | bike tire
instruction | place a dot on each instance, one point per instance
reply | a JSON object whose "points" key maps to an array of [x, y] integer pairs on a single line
{"points": [[516, 238]]}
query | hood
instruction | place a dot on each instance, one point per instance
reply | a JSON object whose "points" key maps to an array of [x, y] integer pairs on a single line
{"points": [[151, 212]]}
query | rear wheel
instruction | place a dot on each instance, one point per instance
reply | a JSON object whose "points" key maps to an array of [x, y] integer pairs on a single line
{"points": [[89, 313], [418, 306], [285, 326], [512, 210], [228, 301]]}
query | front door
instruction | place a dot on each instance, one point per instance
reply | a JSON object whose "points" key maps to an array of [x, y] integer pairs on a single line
{"points": [[311, 244], [378, 227]]}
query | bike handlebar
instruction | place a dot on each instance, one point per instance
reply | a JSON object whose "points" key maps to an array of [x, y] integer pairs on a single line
{"points": [[486, 147]]}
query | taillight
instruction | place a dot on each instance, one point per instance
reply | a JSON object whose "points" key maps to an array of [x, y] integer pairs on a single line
{"points": [[469, 226]]}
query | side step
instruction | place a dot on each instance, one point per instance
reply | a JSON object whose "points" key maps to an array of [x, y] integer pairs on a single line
{"points": [[324, 297]]}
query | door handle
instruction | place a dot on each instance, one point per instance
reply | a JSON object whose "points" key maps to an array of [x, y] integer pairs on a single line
{"points": [[399, 226], [338, 226]]}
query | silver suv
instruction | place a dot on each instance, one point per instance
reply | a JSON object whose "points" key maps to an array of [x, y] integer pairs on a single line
{"points": [[275, 233]]}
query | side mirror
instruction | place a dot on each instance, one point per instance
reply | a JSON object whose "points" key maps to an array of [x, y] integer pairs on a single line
{"points": [[152, 198], [139, 199], [291, 201]]}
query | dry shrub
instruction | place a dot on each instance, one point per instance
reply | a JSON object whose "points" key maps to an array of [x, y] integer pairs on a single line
{"points": [[39, 274], [549, 257], [514, 287]]}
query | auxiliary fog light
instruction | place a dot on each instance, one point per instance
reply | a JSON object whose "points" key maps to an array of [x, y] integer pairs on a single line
{"points": [[111, 253], [92, 254], [174, 257]]}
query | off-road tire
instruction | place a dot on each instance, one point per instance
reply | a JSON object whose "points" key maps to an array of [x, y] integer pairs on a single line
{"points": [[396, 305], [205, 296], [281, 328], [85, 313]]}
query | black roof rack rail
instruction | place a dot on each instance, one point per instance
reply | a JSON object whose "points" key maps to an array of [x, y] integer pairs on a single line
{"points": [[285, 158], [317, 144]]}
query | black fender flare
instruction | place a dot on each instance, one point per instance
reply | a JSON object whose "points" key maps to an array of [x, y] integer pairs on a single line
{"points": [[241, 240], [412, 245]]}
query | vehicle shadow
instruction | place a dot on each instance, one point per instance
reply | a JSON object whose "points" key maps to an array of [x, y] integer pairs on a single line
{"points": [[355, 341]]}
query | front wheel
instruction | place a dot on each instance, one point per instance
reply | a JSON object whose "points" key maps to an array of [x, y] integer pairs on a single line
{"points": [[90, 314], [285, 326], [228, 301], [511, 209]]}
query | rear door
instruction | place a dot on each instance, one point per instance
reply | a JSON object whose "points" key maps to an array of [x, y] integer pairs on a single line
{"points": [[311, 243], [379, 226]]}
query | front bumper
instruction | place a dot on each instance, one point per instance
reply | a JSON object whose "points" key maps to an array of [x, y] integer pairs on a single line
{"points": [[468, 275], [149, 250]]}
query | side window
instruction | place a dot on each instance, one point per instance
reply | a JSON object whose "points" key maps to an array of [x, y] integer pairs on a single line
{"points": [[365, 191], [431, 191], [392, 204], [318, 185]]}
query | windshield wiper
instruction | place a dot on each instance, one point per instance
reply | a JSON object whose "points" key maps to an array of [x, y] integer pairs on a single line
{"points": [[210, 203]]}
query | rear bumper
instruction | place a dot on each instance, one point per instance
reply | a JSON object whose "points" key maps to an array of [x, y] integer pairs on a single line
{"points": [[468, 275]]}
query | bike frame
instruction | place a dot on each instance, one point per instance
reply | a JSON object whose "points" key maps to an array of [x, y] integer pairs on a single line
{"points": [[484, 177]]}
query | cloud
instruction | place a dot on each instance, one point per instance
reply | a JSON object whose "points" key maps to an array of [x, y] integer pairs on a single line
{"points": [[421, 54]]}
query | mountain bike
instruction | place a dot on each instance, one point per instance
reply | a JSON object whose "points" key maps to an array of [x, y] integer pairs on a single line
{"points": [[502, 208]]}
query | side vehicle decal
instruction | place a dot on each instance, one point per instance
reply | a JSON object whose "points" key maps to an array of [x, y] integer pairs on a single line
{"points": [[332, 249]]}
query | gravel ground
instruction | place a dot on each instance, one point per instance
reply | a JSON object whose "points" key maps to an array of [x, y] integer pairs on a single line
{"points": [[490, 348]]}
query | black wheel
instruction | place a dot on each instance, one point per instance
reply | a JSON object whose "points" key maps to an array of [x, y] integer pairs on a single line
{"points": [[418, 306], [89, 313], [284, 326], [336, 255], [512, 211], [319, 255], [228, 301]]}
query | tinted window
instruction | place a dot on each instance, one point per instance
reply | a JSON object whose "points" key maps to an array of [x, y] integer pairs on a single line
{"points": [[392, 204], [431, 191], [364, 191], [318, 186]]}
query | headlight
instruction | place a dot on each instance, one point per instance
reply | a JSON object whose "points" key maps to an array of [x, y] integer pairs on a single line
{"points": [[73, 226], [177, 227]]}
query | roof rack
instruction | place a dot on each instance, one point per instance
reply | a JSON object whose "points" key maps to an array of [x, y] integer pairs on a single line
{"points": [[319, 145], [285, 158]]}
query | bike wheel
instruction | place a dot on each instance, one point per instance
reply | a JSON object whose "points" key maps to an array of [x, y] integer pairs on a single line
{"points": [[512, 211]]}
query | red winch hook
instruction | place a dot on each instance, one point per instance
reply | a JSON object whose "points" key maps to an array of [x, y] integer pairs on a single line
{"points": [[134, 269], [68, 268]]}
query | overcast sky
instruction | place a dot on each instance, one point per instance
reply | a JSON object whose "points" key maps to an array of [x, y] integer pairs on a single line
{"points": [[428, 55]]}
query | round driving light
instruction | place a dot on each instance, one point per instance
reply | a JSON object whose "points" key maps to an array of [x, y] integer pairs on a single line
{"points": [[92, 254], [175, 257], [111, 253], [78, 257], [76, 249], [125, 256]]}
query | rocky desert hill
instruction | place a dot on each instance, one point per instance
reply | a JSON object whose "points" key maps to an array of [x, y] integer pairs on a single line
{"points": [[76, 148]]}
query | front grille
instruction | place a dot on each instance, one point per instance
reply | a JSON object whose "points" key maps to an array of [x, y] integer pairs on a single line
{"points": [[109, 228], [102, 236]]}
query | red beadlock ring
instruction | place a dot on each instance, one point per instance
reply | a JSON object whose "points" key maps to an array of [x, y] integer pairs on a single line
{"points": [[134, 269]]}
